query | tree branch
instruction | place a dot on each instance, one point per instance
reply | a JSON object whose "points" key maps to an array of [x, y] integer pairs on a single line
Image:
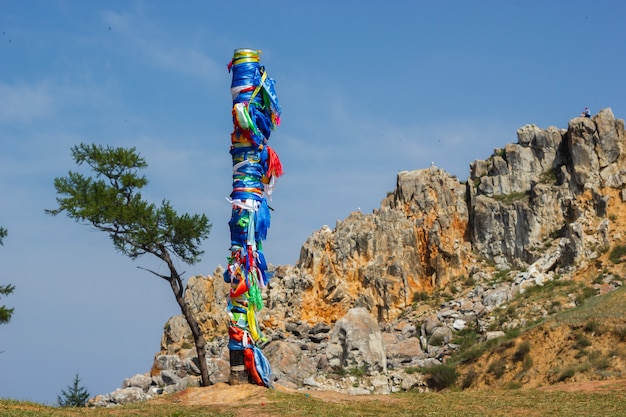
{"points": [[165, 277]]}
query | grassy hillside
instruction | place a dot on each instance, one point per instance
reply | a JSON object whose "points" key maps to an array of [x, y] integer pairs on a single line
{"points": [[586, 343]]}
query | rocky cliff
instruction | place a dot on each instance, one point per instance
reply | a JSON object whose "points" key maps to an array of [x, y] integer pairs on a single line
{"points": [[544, 199], [384, 293]]}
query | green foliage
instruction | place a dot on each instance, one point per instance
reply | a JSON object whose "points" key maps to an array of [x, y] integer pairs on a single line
{"points": [[470, 350], [548, 177], [599, 361], [466, 337], [5, 313], [468, 281], [513, 385], [567, 373], [548, 287], [522, 351], [75, 396], [599, 279], [501, 275], [340, 371], [111, 202], [359, 371], [593, 326], [440, 376], [469, 379], [620, 332], [572, 370], [497, 367], [419, 296], [581, 341], [586, 292], [527, 363], [617, 253], [512, 333]]}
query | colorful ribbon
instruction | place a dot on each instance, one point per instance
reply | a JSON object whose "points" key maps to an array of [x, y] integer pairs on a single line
{"points": [[256, 112]]}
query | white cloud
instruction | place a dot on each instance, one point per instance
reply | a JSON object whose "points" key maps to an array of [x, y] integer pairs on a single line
{"points": [[24, 103]]}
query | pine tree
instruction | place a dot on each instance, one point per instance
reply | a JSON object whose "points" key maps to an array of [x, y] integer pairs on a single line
{"points": [[75, 396], [5, 313], [110, 200]]}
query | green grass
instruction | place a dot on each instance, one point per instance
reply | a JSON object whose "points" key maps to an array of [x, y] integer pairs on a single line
{"points": [[598, 308], [512, 402]]}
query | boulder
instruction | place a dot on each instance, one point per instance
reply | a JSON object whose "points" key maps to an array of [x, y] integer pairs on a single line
{"points": [[356, 343]]}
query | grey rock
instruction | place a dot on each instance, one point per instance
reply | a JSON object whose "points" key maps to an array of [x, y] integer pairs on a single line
{"points": [[140, 381], [356, 342], [129, 395]]}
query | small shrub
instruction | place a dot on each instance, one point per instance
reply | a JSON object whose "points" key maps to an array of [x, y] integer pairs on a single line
{"points": [[617, 253], [497, 367], [600, 362], [548, 177], [592, 326], [441, 376], [598, 280], [504, 345], [469, 379], [420, 296], [512, 333], [555, 307], [522, 350], [587, 292], [359, 371], [527, 363], [512, 311], [568, 373], [581, 341], [341, 371], [620, 332], [501, 275], [471, 353], [469, 281], [513, 385]]}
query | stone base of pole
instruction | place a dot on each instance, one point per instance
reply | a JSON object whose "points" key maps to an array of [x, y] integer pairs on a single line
{"points": [[238, 372]]}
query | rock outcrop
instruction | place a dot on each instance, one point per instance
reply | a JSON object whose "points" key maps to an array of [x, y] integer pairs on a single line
{"points": [[552, 183], [350, 314]]}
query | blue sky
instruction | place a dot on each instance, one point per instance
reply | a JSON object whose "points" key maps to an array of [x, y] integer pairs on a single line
{"points": [[368, 89]]}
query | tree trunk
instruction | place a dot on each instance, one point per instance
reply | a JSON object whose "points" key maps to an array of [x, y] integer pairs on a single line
{"points": [[198, 337]]}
